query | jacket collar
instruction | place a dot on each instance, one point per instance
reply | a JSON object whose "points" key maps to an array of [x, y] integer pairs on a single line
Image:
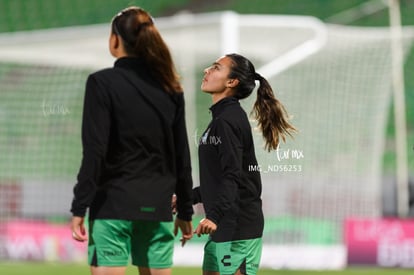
{"points": [[219, 106]]}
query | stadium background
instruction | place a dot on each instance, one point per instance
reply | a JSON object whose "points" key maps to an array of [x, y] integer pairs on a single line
{"points": [[32, 15], [23, 15]]}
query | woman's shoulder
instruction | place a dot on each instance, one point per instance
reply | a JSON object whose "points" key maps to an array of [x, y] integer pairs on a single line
{"points": [[233, 118], [233, 114], [104, 72], [107, 76]]}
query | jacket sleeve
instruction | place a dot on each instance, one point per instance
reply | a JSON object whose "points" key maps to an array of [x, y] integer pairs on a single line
{"points": [[197, 195], [230, 152], [95, 135], [184, 184]]}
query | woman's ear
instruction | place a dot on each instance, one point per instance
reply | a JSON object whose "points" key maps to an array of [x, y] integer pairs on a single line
{"points": [[233, 82], [113, 44], [116, 46]]}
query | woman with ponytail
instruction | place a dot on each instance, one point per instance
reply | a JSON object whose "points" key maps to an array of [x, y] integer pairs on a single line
{"points": [[229, 189], [135, 155]]}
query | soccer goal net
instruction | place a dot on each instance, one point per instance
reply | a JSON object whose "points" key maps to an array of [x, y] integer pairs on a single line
{"points": [[335, 82]]}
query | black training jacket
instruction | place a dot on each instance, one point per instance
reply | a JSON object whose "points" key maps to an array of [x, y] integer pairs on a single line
{"points": [[230, 192], [135, 148]]}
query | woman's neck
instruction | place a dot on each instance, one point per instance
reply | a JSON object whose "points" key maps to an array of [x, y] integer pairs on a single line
{"points": [[216, 97]]}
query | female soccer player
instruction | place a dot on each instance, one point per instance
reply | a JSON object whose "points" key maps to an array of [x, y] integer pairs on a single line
{"points": [[135, 154], [229, 191]]}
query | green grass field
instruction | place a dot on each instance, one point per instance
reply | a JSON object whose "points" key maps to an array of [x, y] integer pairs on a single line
{"points": [[71, 269]]}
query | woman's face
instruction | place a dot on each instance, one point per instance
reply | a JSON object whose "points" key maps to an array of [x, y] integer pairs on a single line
{"points": [[216, 76]]}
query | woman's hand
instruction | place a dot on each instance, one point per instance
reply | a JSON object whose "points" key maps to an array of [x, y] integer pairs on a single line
{"points": [[78, 229], [205, 226], [186, 228]]}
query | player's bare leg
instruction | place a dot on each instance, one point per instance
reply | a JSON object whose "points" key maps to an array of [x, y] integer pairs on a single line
{"points": [[154, 271], [108, 270]]}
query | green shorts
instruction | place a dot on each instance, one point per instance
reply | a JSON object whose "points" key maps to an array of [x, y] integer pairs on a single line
{"points": [[113, 242], [228, 257]]}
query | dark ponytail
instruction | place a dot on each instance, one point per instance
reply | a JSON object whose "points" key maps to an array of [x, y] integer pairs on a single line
{"points": [[142, 39], [271, 115]]}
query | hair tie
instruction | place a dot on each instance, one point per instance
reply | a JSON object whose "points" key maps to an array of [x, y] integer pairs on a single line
{"points": [[258, 76], [143, 25]]}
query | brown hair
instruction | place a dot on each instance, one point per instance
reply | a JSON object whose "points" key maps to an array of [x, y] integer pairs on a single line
{"points": [[271, 115], [142, 39]]}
